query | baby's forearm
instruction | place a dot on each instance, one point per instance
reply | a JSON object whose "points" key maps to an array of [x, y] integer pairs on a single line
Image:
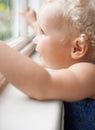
{"points": [[23, 72]]}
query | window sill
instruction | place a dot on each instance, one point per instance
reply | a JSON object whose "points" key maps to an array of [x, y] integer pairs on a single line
{"points": [[20, 42], [18, 112]]}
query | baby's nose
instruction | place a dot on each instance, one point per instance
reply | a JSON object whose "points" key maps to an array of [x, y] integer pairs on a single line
{"points": [[37, 39]]}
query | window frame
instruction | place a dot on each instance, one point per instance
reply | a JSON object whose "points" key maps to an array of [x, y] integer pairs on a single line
{"points": [[21, 39]]}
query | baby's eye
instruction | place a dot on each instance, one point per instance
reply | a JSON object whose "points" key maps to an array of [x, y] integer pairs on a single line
{"points": [[42, 31]]}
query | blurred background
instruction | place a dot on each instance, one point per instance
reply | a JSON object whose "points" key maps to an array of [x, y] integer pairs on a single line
{"points": [[9, 16], [6, 8]]}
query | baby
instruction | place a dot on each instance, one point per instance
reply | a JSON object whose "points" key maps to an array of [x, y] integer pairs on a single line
{"points": [[65, 41]]}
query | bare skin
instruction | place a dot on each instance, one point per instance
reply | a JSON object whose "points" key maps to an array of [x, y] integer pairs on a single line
{"points": [[31, 78], [73, 78]]}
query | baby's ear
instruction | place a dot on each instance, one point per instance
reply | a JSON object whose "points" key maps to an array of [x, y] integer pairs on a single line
{"points": [[79, 47]]}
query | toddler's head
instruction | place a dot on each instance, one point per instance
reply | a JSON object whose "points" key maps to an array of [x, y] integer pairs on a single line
{"points": [[80, 16], [68, 32]]}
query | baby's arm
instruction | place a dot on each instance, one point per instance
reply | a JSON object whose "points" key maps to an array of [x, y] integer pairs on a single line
{"points": [[26, 75], [74, 83], [31, 18]]}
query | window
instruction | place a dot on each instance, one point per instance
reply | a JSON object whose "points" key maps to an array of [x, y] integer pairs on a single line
{"points": [[5, 19], [13, 27], [11, 23]]}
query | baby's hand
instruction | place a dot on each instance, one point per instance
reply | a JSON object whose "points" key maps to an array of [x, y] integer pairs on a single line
{"points": [[30, 16]]}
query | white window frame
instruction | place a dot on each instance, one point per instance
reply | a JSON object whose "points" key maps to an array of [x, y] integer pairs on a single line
{"points": [[22, 41]]}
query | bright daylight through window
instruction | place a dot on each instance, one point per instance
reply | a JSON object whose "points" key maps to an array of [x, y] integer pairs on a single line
{"points": [[5, 19], [12, 24]]}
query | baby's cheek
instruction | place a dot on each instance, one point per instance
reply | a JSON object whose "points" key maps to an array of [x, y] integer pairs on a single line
{"points": [[42, 62]]}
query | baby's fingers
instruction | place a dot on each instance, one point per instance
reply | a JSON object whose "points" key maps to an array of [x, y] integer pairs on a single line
{"points": [[22, 12]]}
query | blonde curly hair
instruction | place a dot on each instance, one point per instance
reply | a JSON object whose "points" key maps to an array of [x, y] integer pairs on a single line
{"points": [[79, 16]]}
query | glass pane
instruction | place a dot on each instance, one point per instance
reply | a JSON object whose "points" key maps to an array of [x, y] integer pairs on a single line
{"points": [[5, 19]]}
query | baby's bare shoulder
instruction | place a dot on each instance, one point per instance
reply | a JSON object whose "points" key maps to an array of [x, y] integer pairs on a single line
{"points": [[84, 70], [83, 66]]}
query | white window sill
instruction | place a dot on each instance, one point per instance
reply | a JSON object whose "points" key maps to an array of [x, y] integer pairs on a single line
{"points": [[18, 112], [20, 42]]}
